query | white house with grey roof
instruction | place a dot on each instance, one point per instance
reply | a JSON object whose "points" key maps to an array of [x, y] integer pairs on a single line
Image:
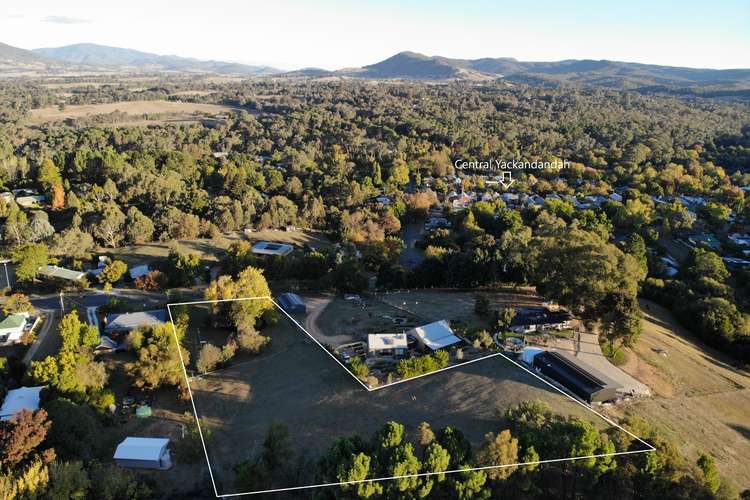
{"points": [[127, 322]]}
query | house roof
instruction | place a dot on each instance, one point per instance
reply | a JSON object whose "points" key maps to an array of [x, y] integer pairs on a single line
{"points": [[272, 248], [131, 321], [140, 448], [24, 398], [435, 335], [14, 321], [290, 300], [138, 271], [577, 371], [380, 341], [61, 273]]}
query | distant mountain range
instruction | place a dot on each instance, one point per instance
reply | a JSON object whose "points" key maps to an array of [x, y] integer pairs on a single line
{"points": [[404, 65], [410, 65], [90, 54]]}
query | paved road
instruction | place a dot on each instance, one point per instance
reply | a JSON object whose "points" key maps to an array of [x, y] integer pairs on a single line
{"points": [[412, 256], [48, 341]]}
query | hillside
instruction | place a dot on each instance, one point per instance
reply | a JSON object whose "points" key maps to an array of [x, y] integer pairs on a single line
{"points": [[605, 73], [101, 55]]}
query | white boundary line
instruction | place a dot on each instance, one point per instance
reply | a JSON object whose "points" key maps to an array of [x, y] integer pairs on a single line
{"points": [[649, 449]]}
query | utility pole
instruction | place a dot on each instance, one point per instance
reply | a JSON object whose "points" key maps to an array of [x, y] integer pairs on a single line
{"points": [[62, 304], [7, 278]]}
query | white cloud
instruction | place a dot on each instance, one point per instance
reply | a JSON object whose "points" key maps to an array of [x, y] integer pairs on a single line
{"points": [[65, 20]]}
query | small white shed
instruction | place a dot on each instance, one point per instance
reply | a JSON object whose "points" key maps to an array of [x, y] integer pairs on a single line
{"points": [[144, 453]]}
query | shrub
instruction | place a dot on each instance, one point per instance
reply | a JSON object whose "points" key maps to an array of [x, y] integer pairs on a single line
{"points": [[152, 281], [208, 358], [251, 341], [359, 368]]}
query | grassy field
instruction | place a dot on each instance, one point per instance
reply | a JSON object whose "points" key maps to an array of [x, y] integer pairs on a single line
{"points": [[210, 248], [702, 401], [294, 382], [53, 113]]}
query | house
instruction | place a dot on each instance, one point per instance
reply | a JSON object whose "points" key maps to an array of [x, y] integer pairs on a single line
{"points": [[61, 273], [576, 375], [534, 319], [30, 201], [707, 240], [136, 272], [383, 200], [24, 192], [387, 344], [459, 201], [434, 336], [292, 303], [735, 263], [127, 322], [14, 326], [738, 239], [616, 197], [17, 400], [144, 453], [436, 222], [271, 248]]}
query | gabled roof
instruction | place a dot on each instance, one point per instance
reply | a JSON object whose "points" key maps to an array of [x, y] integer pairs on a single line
{"points": [[14, 321], [131, 321], [139, 448], [61, 273], [24, 398], [435, 335]]}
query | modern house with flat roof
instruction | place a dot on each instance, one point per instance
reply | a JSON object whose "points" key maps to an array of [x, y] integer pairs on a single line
{"points": [[127, 322], [576, 375], [434, 336], [387, 344], [534, 319], [144, 453], [272, 248], [292, 303], [17, 400]]}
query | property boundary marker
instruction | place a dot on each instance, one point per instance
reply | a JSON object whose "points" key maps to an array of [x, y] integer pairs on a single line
{"points": [[649, 448]]}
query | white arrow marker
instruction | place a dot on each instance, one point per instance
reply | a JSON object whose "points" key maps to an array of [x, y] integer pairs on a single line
{"points": [[506, 179]]}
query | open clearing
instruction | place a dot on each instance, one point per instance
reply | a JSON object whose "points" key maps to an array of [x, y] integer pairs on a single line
{"points": [[701, 401], [53, 113], [210, 249], [298, 384]]}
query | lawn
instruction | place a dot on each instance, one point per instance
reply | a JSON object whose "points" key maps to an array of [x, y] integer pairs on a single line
{"points": [[210, 249], [701, 400], [296, 383]]}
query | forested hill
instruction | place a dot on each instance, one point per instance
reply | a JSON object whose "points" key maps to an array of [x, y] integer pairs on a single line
{"points": [[410, 65], [101, 55]]}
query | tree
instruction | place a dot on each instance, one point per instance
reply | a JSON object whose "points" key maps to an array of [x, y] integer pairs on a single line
{"points": [[706, 264], [68, 480], [28, 258], [21, 435], [359, 368], [621, 319], [113, 272], [158, 363], [500, 449], [17, 303], [51, 181], [138, 228], [184, 268], [399, 174], [711, 478], [108, 225], [504, 317], [208, 358], [75, 429], [250, 285], [152, 281]]}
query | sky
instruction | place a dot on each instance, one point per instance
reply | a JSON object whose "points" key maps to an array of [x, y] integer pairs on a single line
{"points": [[334, 34]]}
